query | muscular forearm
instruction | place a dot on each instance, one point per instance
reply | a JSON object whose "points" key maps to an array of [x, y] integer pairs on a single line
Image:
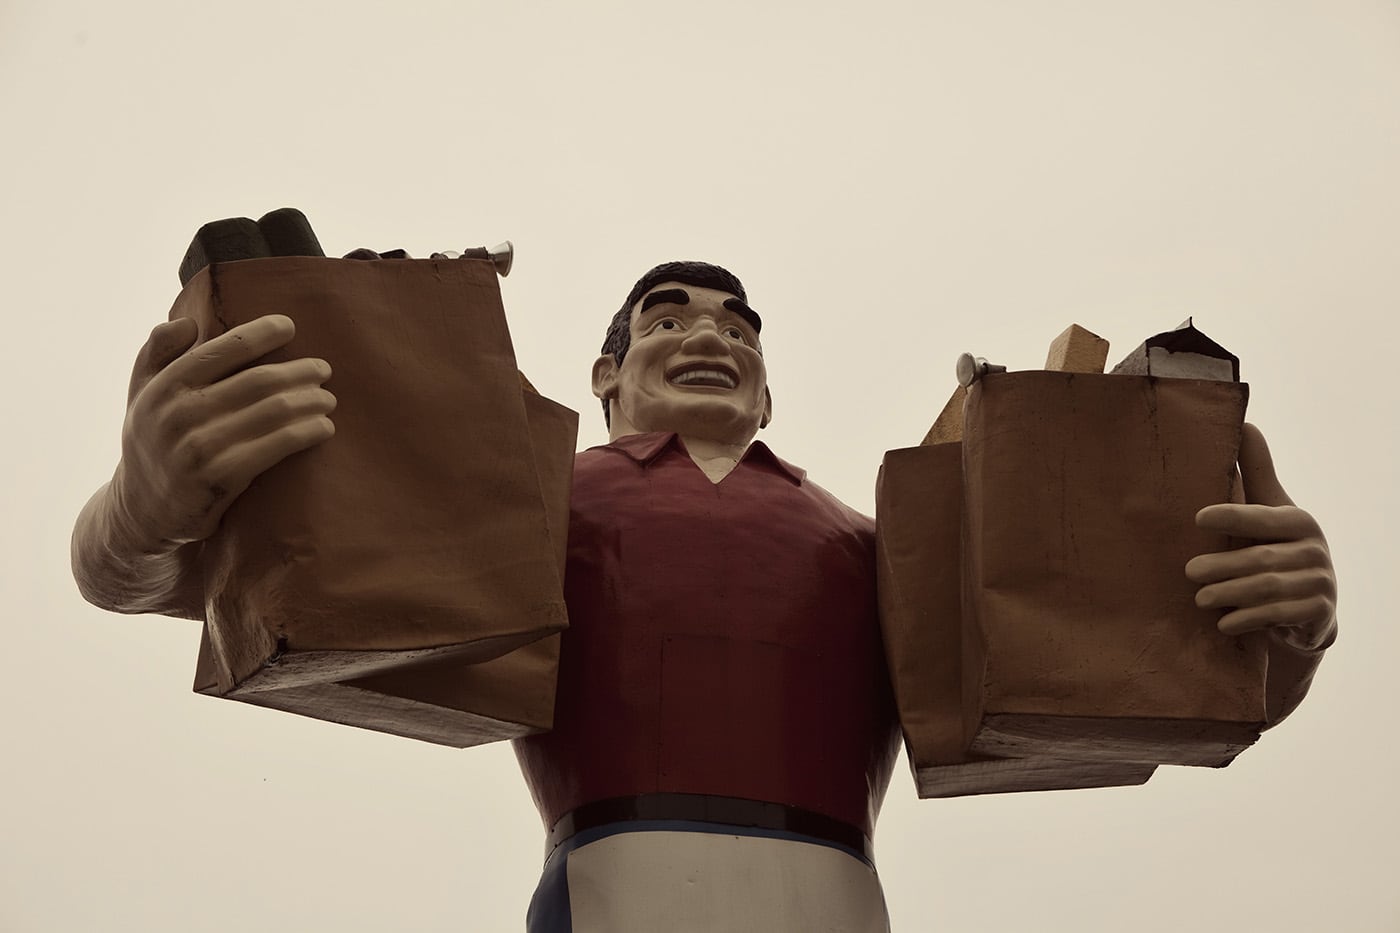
{"points": [[116, 571]]}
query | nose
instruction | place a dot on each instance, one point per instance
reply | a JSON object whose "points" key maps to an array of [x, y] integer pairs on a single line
{"points": [[704, 337]]}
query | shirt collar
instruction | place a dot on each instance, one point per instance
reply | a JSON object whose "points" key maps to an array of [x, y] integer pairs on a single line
{"points": [[644, 448]]}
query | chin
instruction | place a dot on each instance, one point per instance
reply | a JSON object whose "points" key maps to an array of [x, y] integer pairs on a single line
{"points": [[729, 427], [716, 418]]}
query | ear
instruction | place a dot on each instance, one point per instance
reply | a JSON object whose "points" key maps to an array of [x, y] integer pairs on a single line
{"points": [[767, 408], [605, 376]]}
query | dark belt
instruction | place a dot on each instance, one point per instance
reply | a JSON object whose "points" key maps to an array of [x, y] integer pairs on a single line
{"points": [[703, 808]]}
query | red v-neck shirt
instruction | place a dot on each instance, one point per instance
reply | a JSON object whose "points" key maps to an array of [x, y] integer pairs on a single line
{"points": [[723, 639]]}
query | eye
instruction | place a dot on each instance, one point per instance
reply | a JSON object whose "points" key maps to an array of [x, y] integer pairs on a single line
{"points": [[667, 325], [734, 333]]}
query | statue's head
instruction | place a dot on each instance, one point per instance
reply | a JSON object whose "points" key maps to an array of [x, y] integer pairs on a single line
{"points": [[682, 354]]}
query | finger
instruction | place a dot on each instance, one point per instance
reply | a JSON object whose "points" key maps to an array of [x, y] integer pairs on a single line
{"points": [[165, 344], [262, 417], [1259, 558], [256, 383], [1312, 612], [1261, 484], [1260, 522], [233, 471], [1261, 589], [233, 350], [240, 464]]}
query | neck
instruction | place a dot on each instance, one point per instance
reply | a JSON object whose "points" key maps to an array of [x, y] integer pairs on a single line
{"points": [[716, 458]]}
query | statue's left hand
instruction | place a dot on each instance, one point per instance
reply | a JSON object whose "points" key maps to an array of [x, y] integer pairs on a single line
{"points": [[1283, 583]]}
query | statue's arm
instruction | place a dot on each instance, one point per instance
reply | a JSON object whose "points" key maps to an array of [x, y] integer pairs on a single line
{"points": [[1283, 584], [201, 422], [115, 570]]}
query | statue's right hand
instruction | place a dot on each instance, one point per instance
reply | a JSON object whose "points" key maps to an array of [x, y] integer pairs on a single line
{"points": [[202, 422]]}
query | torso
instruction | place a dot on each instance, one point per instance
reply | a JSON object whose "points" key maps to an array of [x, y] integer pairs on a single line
{"points": [[723, 640]]}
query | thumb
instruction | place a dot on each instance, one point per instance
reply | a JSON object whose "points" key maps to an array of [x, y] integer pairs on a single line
{"points": [[164, 346], [1261, 485]]}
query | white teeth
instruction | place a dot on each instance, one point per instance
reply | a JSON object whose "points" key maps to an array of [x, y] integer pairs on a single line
{"points": [[705, 377]]}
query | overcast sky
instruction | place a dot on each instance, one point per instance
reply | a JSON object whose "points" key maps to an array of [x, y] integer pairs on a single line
{"points": [[895, 183]]}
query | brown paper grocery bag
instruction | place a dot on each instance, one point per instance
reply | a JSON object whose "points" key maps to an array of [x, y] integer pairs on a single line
{"points": [[420, 529], [449, 700], [1081, 637], [919, 506]]}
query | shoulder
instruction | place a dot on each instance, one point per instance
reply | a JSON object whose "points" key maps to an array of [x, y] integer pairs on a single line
{"points": [[815, 499], [595, 458], [840, 512]]}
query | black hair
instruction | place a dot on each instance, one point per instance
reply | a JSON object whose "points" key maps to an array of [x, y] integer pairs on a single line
{"points": [[700, 274]]}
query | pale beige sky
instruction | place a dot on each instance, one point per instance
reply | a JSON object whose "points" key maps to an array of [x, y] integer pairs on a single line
{"points": [[896, 183]]}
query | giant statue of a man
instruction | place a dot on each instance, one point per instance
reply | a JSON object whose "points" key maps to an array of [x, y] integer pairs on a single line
{"points": [[724, 728]]}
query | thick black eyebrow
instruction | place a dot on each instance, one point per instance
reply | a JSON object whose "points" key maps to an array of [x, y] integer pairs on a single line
{"points": [[672, 296], [744, 311]]}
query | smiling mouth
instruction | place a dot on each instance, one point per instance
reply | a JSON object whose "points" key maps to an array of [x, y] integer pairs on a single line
{"points": [[704, 376]]}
